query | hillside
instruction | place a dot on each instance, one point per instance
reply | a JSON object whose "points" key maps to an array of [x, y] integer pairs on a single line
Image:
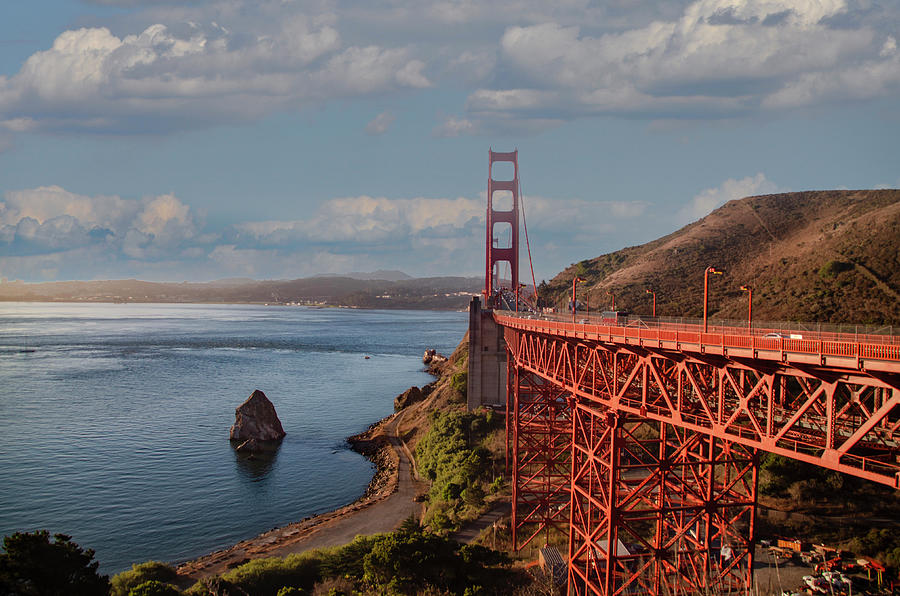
{"points": [[451, 293], [827, 256]]}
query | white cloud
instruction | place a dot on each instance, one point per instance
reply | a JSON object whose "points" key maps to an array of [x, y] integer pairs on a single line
{"points": [[720, 59], [380, 124], [51, 219], [171, 78], [711, 198], [454, 127], [365, 219], [536, 64]]}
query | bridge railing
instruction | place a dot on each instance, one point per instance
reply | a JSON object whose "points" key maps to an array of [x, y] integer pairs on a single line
{"points": [[780, 345], [788, 330]]}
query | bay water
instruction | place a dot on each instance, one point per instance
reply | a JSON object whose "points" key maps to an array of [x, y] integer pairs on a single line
{"points": [[114, 418]]}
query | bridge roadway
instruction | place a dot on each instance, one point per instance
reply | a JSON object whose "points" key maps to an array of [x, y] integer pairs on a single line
{"points": [[829, 399]]}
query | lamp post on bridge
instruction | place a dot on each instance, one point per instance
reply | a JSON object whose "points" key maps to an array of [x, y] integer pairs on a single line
{"points": [[649, 291], [608, 293], [575, 281], [749, 291], [706, 273]]}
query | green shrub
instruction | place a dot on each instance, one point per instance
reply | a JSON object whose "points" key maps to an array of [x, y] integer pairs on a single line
{"points": [[265, 577], [31, 564], [833, 268], [407, 562], [451, 456], [288, 591], [153, 588], [460, 383], [346, 560], [881, 543], [123, 582]]}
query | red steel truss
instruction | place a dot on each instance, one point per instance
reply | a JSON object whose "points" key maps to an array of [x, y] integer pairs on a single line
{"points": [[835, 415], [653, 440], [657, 509], [541, 443]]}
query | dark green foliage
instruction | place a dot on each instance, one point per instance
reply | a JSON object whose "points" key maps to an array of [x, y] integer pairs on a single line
{"points": [[32, 565], [883, 544], [153, 588], [787, 477], [403, 562], [265, 577], [346, 560], [451, 456], [832, 268], [123, 582], [408, 561], [460, 382]]}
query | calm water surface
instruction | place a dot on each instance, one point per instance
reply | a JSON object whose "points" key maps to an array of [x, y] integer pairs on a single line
{"points": [[114, 418]]}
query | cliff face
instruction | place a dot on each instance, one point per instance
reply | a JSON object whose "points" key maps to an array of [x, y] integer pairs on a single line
{"points": [[827, 256]]}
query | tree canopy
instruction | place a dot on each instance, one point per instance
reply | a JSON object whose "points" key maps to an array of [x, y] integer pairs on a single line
{"points": [[32, 565]]}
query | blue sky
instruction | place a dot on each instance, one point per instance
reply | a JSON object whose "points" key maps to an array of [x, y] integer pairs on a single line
{"points": [[201, 139]]}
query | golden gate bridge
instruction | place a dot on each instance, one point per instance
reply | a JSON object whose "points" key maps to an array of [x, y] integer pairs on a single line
{"points": [[641, 440]]}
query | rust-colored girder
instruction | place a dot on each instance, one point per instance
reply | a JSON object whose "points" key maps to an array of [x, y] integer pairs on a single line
{"points": [[656, 509], [829, 411], [541, 443]]}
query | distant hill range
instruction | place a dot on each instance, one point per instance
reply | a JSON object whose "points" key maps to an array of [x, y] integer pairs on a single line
{"points": [[826, 256], [368, 290]]}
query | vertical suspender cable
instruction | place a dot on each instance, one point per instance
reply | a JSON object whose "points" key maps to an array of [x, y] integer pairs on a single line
{"points": [[527, 244]]}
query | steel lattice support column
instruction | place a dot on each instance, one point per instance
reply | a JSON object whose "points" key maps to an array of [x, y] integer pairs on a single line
{"points": [[541, 444], [656, 509]]}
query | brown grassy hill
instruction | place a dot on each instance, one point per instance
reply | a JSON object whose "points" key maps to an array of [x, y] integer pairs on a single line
{"points": [[827, 256]]}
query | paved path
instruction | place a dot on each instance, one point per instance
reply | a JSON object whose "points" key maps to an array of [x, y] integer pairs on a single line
{"points": [[470, 532], [383, 516]]}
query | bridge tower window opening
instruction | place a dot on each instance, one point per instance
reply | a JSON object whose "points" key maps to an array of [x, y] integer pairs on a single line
{"points": [[502, 201], [502, 235], [503, 171]]}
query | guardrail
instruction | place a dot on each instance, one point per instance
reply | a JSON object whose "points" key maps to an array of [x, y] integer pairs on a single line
{"points": [[860, 347]]}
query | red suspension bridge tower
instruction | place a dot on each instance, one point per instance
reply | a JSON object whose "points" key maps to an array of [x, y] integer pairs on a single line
{"points": [[502, 226], [642, 444]]}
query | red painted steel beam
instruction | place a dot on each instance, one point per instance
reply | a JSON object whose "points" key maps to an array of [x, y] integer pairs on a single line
{"points": [[541, 444], [844, 418], [656, 509]]}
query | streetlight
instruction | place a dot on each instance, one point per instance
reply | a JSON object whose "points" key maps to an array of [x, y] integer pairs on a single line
{"points": [[706, 273], [749, 291], [654, 301], [575, 280], [608, 293]]}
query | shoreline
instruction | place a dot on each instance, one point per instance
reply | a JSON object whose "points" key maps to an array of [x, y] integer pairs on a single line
{"points": [[394, 487], [374, 444]]}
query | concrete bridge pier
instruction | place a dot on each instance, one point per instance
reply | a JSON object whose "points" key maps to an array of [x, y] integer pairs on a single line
{"points": [[487, 359]]}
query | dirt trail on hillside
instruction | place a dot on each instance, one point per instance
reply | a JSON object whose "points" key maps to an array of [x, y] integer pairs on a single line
{"points": [[391, 499]]}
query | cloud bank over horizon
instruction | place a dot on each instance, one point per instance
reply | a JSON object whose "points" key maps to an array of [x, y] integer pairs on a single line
{"points": [[48, 230], [201, 139]]}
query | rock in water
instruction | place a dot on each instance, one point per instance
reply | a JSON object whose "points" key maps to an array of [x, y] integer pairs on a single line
{"points": [[256, 419]]}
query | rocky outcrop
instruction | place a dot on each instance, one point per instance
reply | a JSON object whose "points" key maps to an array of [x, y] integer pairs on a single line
{"points": [[408, 397], [256, 419], [431, 357]]}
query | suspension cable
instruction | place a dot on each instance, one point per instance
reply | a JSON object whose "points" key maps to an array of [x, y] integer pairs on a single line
{"points": [[528, 244]]}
